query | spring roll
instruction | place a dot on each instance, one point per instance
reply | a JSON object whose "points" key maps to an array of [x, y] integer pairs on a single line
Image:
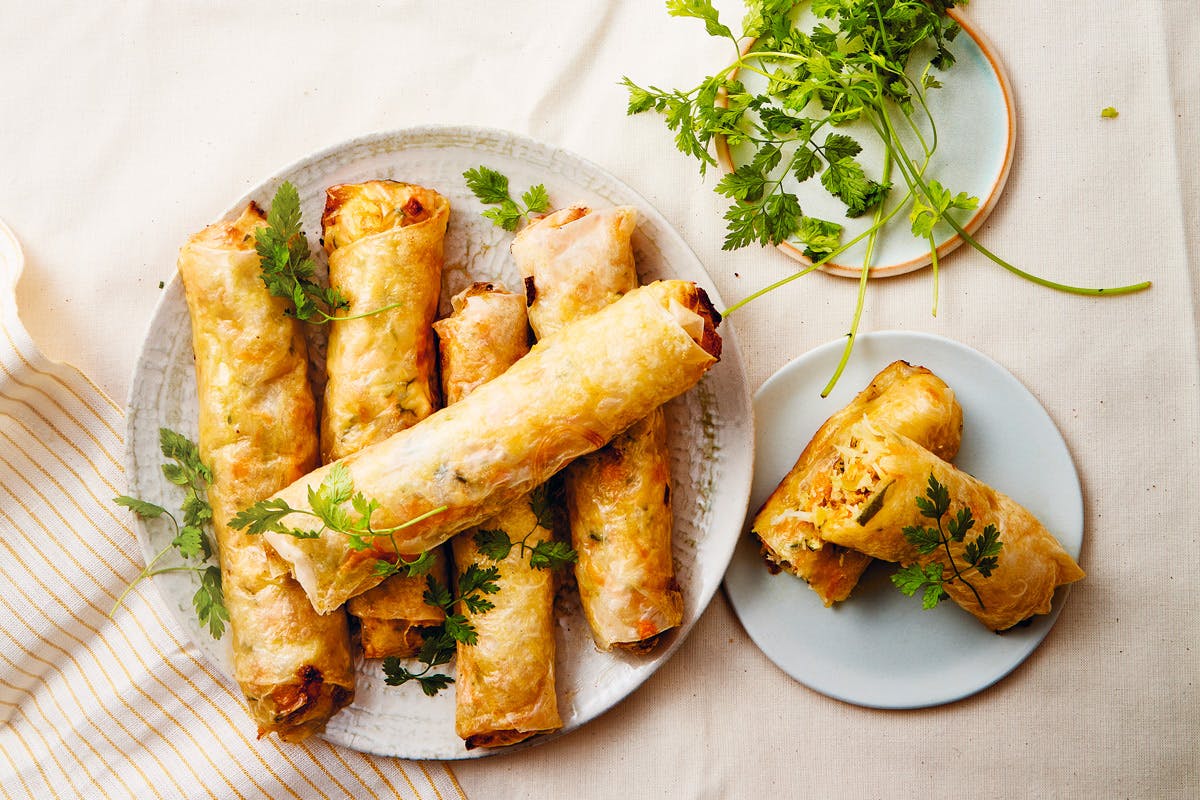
{"points": [[385, 241], [505, 688], [258, 435], [867, 494], [575, 262], [909, 400], [568, 397]]}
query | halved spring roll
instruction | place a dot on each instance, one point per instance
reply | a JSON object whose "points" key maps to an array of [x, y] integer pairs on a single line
{"points": [[575, 262], [505, 686], [258, 434], [568, 397], [385, 243], [909, 400], [867, 496]]}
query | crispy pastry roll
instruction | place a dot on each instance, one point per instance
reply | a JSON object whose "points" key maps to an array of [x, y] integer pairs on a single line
{"points": [[385, 246], [575, 262], [568, 397], [909, 400], [867, 494], [258, 434], [384, 240], [504, 690]]}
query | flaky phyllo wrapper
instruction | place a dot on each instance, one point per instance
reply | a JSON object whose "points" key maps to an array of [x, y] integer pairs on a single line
{"points": [[909, 400], [258, 434], [573, 393], [385, 243], [505, 683], [866, 495], [575, 262]]}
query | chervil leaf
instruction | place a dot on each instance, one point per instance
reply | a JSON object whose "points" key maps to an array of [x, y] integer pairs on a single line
{"points": [[819, 237], [939, 499], [477, 604], [507, 215], [487, 184], [961, 523], [910, 579], [176, 474], [436, 594], [982, 553], [926, 540], [491, 187], [536, 199], [805, 164], [191, 542], [475, 579], [542, 506], [845, 180], [421, 564], [552, 555], [839, 146], [934, 592], [263, 516], [457, 627], [142, 508], [493, 543], [286, 264], [700, 9], [209, 602], [639, 99], [744, 183], [437, 649]]}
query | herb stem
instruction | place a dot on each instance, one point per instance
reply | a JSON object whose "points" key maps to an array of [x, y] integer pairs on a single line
{"points": [[954, 564], [915, 181], [145, 573], [864, 276]]}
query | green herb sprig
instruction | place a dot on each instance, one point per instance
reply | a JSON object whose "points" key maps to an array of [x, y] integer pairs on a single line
{"points": [[854, 64], [491, 187], [327, 503], [191, 543], [981, 555], [474, 584], [287, 266], [496, 544]]}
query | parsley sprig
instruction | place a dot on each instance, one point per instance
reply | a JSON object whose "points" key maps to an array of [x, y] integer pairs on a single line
{"points": [[855, 64], [981, 555], [474, 585], [327, 503], [491, 187], [288, 269], [496, 544], [191, 543]]}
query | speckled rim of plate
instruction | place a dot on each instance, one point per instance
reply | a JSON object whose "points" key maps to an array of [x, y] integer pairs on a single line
{"points": [[878, 649], [736, 454], [971, 224]]}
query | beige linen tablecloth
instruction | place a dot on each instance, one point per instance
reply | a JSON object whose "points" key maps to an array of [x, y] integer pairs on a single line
{"points": [[124, 127]]}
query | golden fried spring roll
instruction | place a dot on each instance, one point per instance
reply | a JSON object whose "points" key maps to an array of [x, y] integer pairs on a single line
{"points": [[869, 493], [568, 397], [505, 689], [909, 400], [384, 240], [575, 262], [258, 434], [385, 246]]}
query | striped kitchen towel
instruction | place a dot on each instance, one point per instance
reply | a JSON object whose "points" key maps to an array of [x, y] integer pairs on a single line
{"points": [[124, 707]]}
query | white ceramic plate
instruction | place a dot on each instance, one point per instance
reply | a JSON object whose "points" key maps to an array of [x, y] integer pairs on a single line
{"points": [[976, 118], [879, 648], [711, 425]]}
